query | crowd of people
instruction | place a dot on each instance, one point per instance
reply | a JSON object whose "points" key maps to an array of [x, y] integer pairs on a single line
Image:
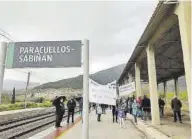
{"points": [[138, 107]]}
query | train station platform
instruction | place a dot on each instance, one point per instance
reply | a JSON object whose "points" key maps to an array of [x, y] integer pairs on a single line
{"points": [[167, 129], [105, 129]]}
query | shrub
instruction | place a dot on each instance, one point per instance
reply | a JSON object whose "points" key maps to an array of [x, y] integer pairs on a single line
{"points": [[20, 105], [46, 104], [41, 99], [183, 96], [32, 105], [170, 95], [5, 98], [6, 107]]}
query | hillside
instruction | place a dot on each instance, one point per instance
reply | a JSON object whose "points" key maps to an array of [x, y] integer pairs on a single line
{"points": [[9, 84], [102, 77]]}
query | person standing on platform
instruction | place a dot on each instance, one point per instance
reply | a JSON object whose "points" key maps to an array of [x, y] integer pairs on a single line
{"points": [[130, 105], [146, 106], [125, 105], [99, 112], [176, 106], [161, 106], [121, 114], [114, 113], [58, 102], [71, 104], [139, 102], [135, 110]]}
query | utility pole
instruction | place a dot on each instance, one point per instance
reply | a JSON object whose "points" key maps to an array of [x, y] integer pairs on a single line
{"points": [[3, 50], [27, 84], [13, 96]]}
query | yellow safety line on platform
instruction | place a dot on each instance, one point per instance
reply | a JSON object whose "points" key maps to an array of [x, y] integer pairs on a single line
{"points": [[68, 129]]}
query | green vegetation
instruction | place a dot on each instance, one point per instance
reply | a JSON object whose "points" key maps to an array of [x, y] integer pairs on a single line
{"points": [[33, 102], [183, 96], [20, 105], [6, 99]]}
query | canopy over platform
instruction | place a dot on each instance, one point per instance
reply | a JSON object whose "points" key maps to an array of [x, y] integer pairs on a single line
{"points": [[162, 53], [163, 33]]}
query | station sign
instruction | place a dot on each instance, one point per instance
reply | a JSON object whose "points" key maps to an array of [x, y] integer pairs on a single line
{"points": [[45, 54]]}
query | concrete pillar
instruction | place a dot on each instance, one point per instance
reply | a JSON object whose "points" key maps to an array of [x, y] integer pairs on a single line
{"points": [[138, 80], [153, 85], [183, 11], [3, 50], [176, 85], [165, 92]]}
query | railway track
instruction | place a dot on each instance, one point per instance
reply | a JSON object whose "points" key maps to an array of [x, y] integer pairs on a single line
{"points": [[26, 127]]}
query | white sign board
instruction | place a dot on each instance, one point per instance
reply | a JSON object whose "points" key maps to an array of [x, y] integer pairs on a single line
{"points": [[101, 94], [127, 89]]}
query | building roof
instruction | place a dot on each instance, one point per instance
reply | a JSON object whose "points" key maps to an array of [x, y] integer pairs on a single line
{"points": [[168, 38]]}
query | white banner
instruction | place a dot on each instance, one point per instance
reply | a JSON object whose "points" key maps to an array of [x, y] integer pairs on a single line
{"points": [[127, 89], [101, 94], [112, 85]]}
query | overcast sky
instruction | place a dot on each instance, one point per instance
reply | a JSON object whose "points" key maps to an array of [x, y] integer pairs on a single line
{"points": [[113, 29]]}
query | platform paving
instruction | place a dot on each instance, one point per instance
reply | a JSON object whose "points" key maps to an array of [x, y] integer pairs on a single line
{"points": [[104, 130], [53, 133], [167, 129]]}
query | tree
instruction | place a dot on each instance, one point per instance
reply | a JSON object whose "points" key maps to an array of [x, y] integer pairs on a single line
{"points": [[32, 94], [13, 96]]}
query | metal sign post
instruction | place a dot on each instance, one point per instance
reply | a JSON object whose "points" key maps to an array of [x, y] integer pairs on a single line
{"points": [[86, 89], [3, 49]]}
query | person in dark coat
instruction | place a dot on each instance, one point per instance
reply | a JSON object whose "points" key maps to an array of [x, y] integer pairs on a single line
{"points": [[71, 104], [146, 106], [176, 106], [161, 106], [114, 113], [58, 102]]}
